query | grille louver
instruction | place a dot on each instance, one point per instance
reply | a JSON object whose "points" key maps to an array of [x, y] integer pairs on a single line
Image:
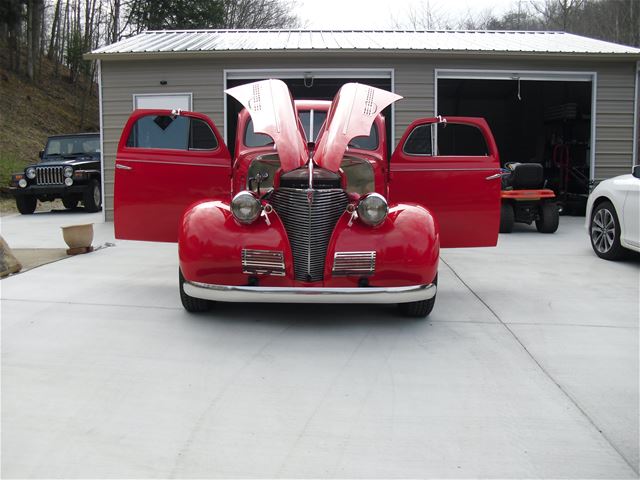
{"points": [[309, 217], [49, 175], [354, 263]]}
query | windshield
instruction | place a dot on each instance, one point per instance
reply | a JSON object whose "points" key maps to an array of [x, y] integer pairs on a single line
{"points": [[73, 145]]}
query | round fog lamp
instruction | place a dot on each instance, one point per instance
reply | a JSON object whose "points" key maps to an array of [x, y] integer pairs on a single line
{"points": [[245, 207], [31, 173], [373, 209], [68, 171], [22, 183], [68, 181]]}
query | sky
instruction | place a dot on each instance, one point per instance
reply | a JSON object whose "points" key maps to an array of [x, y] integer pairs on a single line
{"points": [[387, 14]]}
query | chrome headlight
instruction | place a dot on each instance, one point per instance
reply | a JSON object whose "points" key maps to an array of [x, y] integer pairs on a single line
{"points": [[245, 207], [68, 171], [373, 209], [30, 173]]}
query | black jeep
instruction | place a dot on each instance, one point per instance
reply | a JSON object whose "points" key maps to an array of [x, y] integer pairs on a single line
{"points": [[69, 169]]}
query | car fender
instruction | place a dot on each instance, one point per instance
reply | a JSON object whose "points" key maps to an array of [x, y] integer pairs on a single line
{"points": [[211, 241], [406, 246]]}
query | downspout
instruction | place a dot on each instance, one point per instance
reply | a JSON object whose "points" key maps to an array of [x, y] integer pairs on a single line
{"points": [[102, 155]]}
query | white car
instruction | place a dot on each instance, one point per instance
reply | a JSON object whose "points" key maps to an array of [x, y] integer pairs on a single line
{"points": [[613, 216]]}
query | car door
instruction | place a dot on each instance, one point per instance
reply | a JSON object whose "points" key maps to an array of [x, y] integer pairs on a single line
{"points": [[166, 161], [631, 210], [450, 165]]}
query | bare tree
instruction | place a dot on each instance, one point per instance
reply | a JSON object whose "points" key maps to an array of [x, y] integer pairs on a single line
{"points": [[427, 15], [558, 14], [35, 14], [259, 14]]}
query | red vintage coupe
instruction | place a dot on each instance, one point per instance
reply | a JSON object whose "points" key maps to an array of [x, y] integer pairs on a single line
{"points": [[310, 209]]}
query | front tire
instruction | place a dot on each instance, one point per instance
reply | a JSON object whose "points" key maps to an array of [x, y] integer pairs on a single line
{"points": [[549, 218], [26, 204], [604, 231], [192, 304], [92, 197], [419, 309], [70, 203], [507, 218]]}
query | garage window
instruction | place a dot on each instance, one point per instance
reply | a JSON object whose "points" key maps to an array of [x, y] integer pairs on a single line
{"points": [[170, 101]]}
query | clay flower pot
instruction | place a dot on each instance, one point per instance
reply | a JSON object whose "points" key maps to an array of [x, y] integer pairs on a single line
{"points": [[78, 237]]}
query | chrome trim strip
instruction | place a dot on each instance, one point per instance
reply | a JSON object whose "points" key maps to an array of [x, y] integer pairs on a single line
{"points": [[237, 293], [187, 164]]}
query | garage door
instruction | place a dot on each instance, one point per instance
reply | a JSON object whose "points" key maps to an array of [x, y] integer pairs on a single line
{"points": [[536, 117]]}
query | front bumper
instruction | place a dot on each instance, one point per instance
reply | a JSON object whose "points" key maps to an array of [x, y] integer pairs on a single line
{"points": [[231, 293], [57, 190]]}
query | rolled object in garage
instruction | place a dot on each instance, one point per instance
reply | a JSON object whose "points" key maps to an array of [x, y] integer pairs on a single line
{"points": [[8, 262]]}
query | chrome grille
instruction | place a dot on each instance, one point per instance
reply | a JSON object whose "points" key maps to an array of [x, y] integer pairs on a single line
{"points": [[309, 217], [49, 175], [354, 263], [267, 262]]}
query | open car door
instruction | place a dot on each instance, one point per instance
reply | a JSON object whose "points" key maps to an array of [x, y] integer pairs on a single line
{"points": [[451, 166], [166, 160]]}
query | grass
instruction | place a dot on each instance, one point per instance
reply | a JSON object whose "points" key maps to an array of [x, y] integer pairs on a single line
{"points": [[11, 162], [31, 111]]}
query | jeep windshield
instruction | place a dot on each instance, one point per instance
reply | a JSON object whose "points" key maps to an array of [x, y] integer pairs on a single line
{"points": [[73, 146]]}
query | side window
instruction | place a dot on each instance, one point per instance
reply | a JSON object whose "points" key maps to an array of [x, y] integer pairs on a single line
{"points": [[160, 131], [253, 139], [201, 137], [419, 141], [458, 139], [173, 133]]}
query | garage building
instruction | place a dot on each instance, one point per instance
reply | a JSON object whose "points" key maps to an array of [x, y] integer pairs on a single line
{"points": [[568, 102]]}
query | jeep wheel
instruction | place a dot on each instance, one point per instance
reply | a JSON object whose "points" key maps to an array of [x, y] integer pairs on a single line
{"points": [[549, 218], [26, 204], [419, 309], [69, 203], [92, 197], [507, 218], [192, 304], [604, 231]]}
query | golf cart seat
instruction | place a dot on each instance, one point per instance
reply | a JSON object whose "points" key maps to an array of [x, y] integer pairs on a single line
{"points": [[523, 176]]}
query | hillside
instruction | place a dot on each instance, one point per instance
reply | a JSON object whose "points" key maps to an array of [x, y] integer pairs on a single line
{"points": [[29, 112]]}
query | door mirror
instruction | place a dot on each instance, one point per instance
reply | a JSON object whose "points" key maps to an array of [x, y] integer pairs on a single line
{"points": [[41, 154], [636, 171]]}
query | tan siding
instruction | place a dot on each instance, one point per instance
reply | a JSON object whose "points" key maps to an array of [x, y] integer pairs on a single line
{"points": [[413, 77]]}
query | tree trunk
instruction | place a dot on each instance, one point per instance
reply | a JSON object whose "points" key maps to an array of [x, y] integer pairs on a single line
{"points": [[54, 31], [30, 37], [115, 26]]}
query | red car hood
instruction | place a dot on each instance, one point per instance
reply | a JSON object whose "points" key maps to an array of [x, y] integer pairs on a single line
{"points": [[273, 113], [351, 115]]}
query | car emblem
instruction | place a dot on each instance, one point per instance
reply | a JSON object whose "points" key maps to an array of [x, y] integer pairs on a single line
{"points": [[309, 197]]}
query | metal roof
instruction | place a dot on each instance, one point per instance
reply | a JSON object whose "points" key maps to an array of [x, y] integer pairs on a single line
{"points": [[181, 42]]}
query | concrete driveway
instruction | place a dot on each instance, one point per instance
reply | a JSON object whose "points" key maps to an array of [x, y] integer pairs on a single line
{"points": [[527, 367]]}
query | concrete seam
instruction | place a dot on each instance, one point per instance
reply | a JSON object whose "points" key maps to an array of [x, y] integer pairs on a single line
{"points": [[544, 371]]}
